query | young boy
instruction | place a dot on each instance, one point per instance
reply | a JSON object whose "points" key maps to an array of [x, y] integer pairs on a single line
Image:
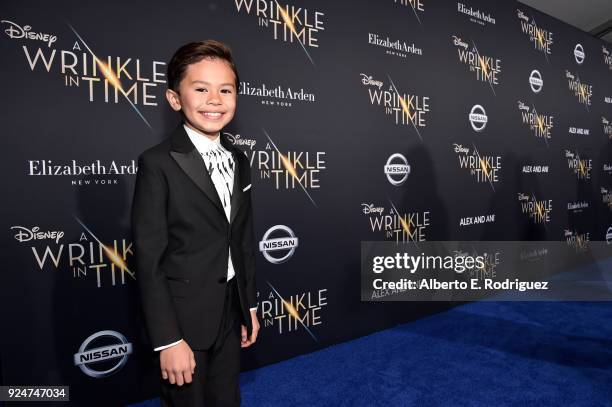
{"points": [[193, 234]]}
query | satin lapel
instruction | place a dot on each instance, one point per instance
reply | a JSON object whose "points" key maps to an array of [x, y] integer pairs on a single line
{"points": [[237, 193], [186, 156]]}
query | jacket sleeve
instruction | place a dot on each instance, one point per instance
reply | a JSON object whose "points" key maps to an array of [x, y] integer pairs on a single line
{"points": [[149, 229]]}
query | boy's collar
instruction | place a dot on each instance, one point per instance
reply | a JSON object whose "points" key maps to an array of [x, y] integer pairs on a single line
{"points": [[181, 143], [203, 143]]}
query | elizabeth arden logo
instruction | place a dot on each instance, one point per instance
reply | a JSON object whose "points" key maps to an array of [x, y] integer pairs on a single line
{"points": [[83, 174], [476, 16], [397, 47], [577, 206], [282, 96]]}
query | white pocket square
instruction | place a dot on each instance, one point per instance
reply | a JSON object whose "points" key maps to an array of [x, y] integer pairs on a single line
{"points": [[246, 188]]}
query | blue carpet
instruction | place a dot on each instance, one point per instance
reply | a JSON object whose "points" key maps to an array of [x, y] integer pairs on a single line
{"points": [[478, 354]]}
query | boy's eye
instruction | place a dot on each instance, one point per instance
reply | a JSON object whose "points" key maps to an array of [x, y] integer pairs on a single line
{"points": [[226, 91], [200, 90]]}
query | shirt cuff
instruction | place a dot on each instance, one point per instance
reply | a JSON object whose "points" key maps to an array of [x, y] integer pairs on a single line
{"points": [[253, 309], [167, 346]]}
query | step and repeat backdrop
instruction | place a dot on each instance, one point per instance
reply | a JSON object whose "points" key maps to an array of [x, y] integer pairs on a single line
{"points": [[397, 120]]}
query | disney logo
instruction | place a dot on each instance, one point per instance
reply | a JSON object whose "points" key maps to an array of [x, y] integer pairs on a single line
{"points": [[16, 32], [369, 208], [25, 234], [460, 149], [569, 75], [238, 141], [522, 15], [459, 42], [523, 106], [369, 80], [523, 197]]}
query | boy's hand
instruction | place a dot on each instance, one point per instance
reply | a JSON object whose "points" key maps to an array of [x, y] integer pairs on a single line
{"points": [[246, 342], [177, 363]]}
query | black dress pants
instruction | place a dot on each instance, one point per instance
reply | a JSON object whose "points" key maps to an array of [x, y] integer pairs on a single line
{"points": [[215, 382]]}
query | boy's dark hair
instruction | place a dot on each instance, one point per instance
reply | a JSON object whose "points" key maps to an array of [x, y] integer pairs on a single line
{"points": [[195, 52]]}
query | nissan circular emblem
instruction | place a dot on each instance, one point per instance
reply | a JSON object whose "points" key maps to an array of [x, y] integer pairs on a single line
{"points": [[270, 246], [478, 118], [397, 169], [579, 54], [535, 81], [103, 353]]}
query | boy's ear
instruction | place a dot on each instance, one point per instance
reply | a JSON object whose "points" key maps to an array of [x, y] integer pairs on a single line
{"points": [[173, 99]]}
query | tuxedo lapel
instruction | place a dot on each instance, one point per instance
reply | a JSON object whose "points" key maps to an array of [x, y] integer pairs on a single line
{"points": [[237, 192], [187, 157]]}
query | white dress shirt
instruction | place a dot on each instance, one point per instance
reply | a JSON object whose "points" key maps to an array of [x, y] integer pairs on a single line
{"points": [[220, 165]]}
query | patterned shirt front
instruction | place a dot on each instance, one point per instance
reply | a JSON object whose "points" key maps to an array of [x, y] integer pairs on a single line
{"points": [[220, 165]]}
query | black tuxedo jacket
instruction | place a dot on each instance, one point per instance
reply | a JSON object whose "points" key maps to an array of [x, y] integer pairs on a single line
{"points": [[181, 238]]}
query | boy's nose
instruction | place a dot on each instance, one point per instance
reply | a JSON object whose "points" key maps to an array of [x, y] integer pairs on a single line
{"points": [[213, 98]]}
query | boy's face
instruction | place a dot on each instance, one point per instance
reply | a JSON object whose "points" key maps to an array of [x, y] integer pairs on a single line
{"points": [[207, 96]]}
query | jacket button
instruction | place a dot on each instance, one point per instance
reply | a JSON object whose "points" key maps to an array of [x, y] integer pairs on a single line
{"points": [[222, 279]]}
